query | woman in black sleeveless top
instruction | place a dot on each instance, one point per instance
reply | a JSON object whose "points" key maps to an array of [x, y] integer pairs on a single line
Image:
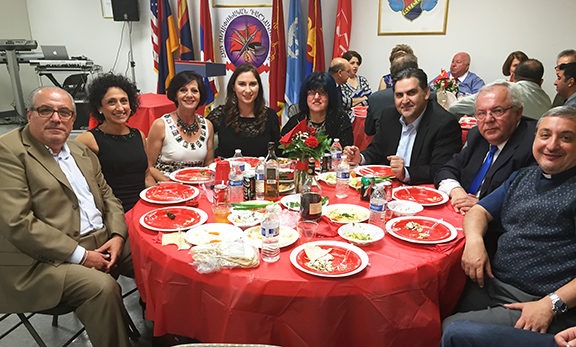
{"points": [[113, 99]]}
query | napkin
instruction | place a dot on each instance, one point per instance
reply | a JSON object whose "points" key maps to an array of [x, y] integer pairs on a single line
{"points": [[328, 228], [177, 239]]}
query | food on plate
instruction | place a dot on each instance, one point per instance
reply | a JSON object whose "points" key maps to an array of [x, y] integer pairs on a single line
{"points": [[417, 228], [287, 235], [194, 175], [355, 182], [319, 259], [286, 174], [284, 160], [359, 236], [285, 186], [346, 215], [330, 177], [249, 217], [170, 215], [250, 205], [296, 205]]}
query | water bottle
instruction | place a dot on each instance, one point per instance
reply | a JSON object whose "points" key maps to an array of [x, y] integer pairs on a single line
{"points": [[378, 205], [260, 177], [238, 155], [336, 153], [342, 178], [270, 229], [235, 180]]}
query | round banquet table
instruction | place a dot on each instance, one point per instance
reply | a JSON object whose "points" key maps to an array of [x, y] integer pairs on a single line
{"points": [[398, 300]]}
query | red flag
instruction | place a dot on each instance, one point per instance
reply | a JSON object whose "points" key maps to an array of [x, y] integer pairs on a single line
{"points": [[277, 59], [315, 45], [343, 28], [207, 51]]}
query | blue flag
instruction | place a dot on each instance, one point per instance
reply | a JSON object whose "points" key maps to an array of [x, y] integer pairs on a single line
{"points": [[295, 52]]}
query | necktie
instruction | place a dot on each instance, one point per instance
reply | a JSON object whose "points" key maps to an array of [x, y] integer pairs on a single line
{"points": [[473, 189]]}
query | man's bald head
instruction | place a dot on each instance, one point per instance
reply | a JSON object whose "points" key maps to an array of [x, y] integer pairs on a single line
{"points": [[340, 69]]}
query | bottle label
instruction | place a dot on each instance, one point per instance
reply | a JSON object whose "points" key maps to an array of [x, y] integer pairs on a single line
{"points": [[316, 208], [234, 183], [336, 155], [376, 208], [259, 177], [270, 232], [343, 175]]}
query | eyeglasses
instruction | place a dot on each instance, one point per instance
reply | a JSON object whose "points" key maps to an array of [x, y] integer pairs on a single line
{"points": [[320, 92], [496, 113], [47, 112]]}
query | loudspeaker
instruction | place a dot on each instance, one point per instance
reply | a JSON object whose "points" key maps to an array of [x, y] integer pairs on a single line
{"points": [[125, 10]]}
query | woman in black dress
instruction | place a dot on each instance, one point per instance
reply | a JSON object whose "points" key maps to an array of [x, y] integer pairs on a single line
{"points": [[320, 105], [113, 99], [244, 121]]}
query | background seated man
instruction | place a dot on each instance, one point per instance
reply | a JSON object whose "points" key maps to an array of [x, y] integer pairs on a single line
{"points": [[500, 124], [528, 80], [62, 231], [566, 83], [416, 137], [468, 82], [531, 281]]}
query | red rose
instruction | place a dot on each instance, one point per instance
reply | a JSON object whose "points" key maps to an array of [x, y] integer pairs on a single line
{"points": [[311, 142]]}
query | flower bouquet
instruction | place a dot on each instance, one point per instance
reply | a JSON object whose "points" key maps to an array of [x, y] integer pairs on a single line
{"points": [[302, 143], [444, 82]]}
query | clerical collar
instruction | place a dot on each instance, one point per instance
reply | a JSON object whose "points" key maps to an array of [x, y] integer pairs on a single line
{"points": [[560, 177]]}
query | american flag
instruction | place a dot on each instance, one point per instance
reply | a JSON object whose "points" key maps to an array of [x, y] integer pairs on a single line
{"points": [[155, 32]]}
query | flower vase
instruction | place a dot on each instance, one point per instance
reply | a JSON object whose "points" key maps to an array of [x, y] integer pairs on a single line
{"points": [[300, 172], [442, 98]]}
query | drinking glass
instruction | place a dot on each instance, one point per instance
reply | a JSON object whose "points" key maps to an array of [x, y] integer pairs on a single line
{"points": [[306, 230]]}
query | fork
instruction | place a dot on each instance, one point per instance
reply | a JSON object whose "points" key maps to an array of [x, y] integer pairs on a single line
{"points": [[427, 232], [342, 265]]}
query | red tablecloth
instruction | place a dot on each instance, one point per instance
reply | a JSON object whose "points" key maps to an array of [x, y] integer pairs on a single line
{"points": [[398, 300], [361, 140], [152, 106]]}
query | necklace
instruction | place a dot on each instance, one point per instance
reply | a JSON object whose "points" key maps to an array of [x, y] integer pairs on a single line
{"points": [[188, 128]]}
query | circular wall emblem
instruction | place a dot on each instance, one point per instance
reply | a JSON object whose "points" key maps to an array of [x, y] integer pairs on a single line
{"points": [[247, 41]]}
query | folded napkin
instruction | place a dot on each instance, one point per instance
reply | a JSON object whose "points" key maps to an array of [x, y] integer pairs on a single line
{"points": [[328, 228]]}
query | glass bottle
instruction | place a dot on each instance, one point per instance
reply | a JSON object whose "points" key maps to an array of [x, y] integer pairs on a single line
{"points": [[311, 195], [272, 186]]}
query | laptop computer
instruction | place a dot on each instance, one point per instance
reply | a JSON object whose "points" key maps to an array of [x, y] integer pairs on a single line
{"points": [[55, 52]]}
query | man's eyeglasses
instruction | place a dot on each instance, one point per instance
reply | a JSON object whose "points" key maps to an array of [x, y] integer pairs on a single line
{"points": [[320, 92], [47, 112], [496, 113]]}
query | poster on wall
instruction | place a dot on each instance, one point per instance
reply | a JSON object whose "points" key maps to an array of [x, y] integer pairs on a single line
{"points": [[241, 3], [244, 37], [412, 17]]}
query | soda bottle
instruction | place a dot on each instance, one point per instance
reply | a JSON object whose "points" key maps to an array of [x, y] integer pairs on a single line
{"points": [[378, 205], [235, 180], [270, 229], [260, 173], [336, 153], [342, 178]]}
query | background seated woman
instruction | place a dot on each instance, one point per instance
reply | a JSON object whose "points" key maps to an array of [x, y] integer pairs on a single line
{"points": [[320, 105], [181, 138], [244, 122]]}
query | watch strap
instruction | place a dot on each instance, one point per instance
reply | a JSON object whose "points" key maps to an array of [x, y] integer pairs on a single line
{"points": [[558, 306]]}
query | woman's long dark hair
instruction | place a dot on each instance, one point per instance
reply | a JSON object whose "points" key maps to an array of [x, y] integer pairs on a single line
{"points": [[231, 107], [320, 80]]}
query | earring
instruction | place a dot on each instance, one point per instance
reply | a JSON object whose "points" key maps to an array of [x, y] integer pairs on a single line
{"points": [[234, 99]]}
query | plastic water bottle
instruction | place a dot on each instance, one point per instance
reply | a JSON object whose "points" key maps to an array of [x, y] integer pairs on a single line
{"points": [[235, 180], [238, 155], [260, 176], [342, 178], [336, 153], [270, 229], [378, 205]]}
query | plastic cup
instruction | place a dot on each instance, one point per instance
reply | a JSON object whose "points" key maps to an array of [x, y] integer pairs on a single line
{"points": [[306, 230]]}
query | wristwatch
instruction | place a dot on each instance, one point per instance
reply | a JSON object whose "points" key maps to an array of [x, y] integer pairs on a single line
{"points": [[558, 306]]}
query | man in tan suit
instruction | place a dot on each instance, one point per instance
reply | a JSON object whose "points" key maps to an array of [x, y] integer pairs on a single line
{"points": [[62, 231]]}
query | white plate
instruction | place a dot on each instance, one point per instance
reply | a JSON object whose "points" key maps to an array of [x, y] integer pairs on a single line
{"points": [[359, 252], [288, 188], [160, 212], [375, 232], [398, 190], [347, 208], [245, 218], [253, 236], [323, 178], [212, 232], [391, 229], [286, 200], [354, 180], [193, 192]]}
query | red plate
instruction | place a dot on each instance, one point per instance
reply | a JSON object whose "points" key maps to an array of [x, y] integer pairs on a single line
{"points": [[375, 170], [422, 195], [441, 232], [339, 253], [192, 175], [169, 193], [184, 218]]}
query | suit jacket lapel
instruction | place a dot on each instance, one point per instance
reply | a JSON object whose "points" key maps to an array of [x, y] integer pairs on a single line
{"points": [[421, 133], [394, 134], [39, 152]]}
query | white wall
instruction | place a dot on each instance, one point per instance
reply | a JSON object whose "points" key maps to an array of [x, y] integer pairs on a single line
{"points": [[489, 30]]}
